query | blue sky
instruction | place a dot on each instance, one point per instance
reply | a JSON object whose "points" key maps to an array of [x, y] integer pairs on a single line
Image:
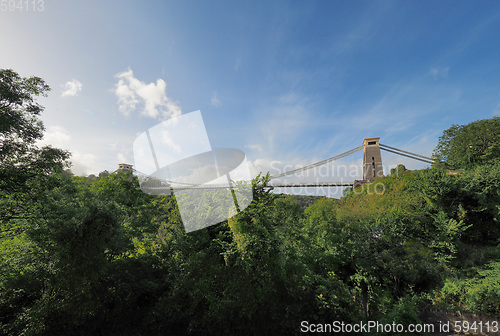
{"points": [[288, 82]]}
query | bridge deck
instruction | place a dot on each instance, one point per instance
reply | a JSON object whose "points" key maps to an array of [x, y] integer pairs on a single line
{"points": [[274, 185], [317, 184]]}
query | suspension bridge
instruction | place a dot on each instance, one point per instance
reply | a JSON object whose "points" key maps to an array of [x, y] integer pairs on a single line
{"points": [[372, 169]]}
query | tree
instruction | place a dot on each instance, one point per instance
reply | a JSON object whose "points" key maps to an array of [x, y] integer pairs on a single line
{"points": [[398, 170], [25, 169], [465, 146], [26, 173], [20, 128], [19, 110]]}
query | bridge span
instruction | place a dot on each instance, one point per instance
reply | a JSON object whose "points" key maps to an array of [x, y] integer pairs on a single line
{"points": [[372, 169]]}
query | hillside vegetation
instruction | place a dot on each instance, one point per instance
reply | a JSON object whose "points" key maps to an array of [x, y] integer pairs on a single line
{"points": [[96, 256]]}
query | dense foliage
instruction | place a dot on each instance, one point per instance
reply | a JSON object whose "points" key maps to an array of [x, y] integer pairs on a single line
{"points": [[465, 146], [96, 256]]}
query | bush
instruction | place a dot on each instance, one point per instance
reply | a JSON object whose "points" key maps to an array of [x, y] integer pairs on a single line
{"points": [[480, 294]]}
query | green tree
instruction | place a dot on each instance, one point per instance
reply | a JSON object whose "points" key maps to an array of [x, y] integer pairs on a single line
{"points": [[464, 146], [23, 165], [20, 128], [400, 169], [26, 172]]}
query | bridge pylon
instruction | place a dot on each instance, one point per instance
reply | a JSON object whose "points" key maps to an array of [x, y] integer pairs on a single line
{"points": [[372, 161]]}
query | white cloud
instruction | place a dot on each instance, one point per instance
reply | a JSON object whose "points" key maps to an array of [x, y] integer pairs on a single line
{"points": [[255, 147], [83, 164], [215, 100], [72, 88], [439, 72], [56, 136], [121, 158], [131, 92], [264, 165]]}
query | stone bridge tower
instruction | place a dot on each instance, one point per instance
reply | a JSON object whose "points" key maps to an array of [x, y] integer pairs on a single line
{"points": [[372, 160]]}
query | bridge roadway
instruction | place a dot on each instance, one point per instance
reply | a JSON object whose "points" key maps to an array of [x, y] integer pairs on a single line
{"points": [[273, 185]]}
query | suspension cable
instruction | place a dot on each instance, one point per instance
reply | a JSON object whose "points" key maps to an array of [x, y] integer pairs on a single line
{"points": [[316, 164], [164, 180], [400, 150], [319, 163], [411, 157]]}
